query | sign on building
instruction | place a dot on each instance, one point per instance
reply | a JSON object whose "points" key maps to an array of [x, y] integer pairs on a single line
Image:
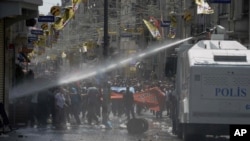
{"points": [[46, 19]]}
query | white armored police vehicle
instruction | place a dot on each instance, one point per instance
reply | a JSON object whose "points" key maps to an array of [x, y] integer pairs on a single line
{"points": [[212, 88]]}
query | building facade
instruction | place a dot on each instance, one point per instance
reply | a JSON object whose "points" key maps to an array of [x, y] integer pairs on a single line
{"points": [[13, 16]]}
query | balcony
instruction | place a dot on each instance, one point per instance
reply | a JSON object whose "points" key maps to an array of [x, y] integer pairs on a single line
{"points": [[23, 9], [35, 2]]}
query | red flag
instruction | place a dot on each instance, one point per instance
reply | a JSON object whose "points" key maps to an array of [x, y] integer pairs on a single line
{"points": [[152, 98]]}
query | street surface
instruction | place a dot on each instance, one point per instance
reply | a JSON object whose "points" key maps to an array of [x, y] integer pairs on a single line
{"points": [[159, 130]]}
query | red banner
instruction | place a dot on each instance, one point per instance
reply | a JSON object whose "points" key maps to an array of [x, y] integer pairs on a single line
{"points": [[152, 98]]}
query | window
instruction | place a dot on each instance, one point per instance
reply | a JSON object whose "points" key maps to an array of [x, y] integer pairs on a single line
{"points": [[230, 58]]}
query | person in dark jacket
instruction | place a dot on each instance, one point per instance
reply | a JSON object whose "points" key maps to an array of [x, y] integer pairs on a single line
{"points": [[129, 103], [5, 120], [42, 107], [92, 104], [106, 107], [75, 104]]}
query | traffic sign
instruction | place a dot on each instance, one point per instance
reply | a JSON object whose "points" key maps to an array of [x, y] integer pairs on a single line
{"points": [[165, 23], [37, 32], [55, 10], [46, 18], [32, 38], [220, 1], [45, 26], [126, 35]]}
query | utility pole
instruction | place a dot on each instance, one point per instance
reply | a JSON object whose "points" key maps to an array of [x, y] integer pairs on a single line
{"points": [[161, 10], [105, 30], [118, 31]]}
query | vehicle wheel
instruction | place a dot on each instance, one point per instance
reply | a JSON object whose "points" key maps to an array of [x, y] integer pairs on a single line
{"points": [[179, 131], [199, 137], [191, 137], [185, 135]]}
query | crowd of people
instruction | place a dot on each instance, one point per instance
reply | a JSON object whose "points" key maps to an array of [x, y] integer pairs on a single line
{"points": [[89, 102]]}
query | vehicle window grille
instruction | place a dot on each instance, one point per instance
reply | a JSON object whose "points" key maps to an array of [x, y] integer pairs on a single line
{"points": [[197, 78], [240, 81], [230, 58], [215, 80]]}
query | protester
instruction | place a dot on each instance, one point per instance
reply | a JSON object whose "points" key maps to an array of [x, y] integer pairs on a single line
{"points": [[43, 107], [92, 105], [59, 107], [168, 102], [68, 108], [70, 99], [84, 99], [129, 103], [5, 123], [75, 103], [106, 105], [33, 116]]}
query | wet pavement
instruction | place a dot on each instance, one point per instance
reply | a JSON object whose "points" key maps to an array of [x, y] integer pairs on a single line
{"points": [[159, 129]]}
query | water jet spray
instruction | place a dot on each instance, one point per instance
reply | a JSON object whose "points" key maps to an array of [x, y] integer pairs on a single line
{"points": [[30, 88]]}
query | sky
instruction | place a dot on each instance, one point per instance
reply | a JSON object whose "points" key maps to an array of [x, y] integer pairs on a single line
{"points": [[47, 4]]}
